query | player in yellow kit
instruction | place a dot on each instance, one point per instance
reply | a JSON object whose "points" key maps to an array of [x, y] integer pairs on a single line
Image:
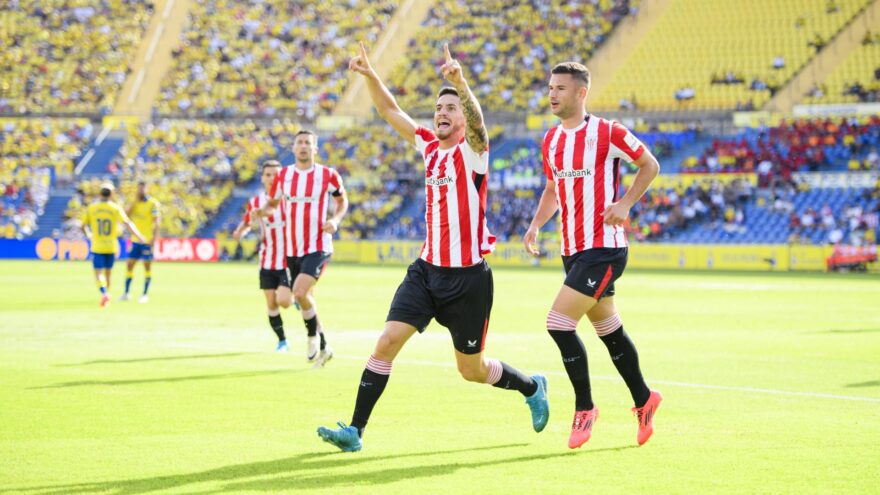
{"points": [[101, 226], [145, 215]]}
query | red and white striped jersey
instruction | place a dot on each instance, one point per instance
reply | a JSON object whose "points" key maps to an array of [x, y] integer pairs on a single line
{"points": [[303, 195], [585, 164], [272, 230], [455, 202]]}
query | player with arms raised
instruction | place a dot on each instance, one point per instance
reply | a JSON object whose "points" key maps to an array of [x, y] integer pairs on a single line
{"points": [[301, 189], [274, 275], [450, 282], [100, 224], [581, 161]]}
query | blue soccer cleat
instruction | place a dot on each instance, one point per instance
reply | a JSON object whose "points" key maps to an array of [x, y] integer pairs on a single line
{"points": [[538, 404], [346, 437], [282, 346]]}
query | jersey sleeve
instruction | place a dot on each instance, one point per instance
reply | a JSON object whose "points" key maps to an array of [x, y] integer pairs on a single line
{"points": [[624, 144], [476, 162], [545, 152], [247, 213], [85, 217], [334, 185], [275, 190], [424, 137]]}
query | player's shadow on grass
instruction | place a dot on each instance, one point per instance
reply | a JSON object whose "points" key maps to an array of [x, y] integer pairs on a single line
{"points": [[313, 467], [160, 358], [392, 475], [852, 331], [170, 379], [872, 383]]}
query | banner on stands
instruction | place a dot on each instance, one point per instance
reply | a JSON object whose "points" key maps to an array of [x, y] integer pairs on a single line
{"points": [[48, 249]]}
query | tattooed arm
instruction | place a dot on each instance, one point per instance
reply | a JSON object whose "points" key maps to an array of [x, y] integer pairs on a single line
{"points": [[476, 134]]}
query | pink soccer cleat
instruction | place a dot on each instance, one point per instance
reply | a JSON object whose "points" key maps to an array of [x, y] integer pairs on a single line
{"points": [[582, 427], [646, 416]]}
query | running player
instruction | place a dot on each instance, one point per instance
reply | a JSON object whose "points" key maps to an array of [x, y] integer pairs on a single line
{"points": [[274, 275], [145, 215], [100, 225], [581, 161], [450, 282], [301, 189]]}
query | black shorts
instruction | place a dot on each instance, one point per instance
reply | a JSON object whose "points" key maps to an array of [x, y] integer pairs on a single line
{"points": [[312, 264], [459, 298], [593, 272], [273, 279]]}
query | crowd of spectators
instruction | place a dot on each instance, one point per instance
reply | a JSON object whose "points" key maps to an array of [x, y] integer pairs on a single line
{"points": [[190, 167], [34, 153], [506, 48], [67, 57], [268, 58], [805, 146]]}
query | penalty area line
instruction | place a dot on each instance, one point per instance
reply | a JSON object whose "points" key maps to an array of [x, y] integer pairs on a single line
{"points": [[704, 386]]}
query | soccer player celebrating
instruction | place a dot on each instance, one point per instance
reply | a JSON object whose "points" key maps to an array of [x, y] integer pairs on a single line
{"points": [[145, 215], [274, 275], [301, 190], [450, 281], [100, 225], [581, 161]]}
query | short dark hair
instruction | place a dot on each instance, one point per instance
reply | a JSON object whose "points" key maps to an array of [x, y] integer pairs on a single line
{"points": [[270, 164], [142, 182], [105, 193], [306, 132], [448, 90], [576, 70]]}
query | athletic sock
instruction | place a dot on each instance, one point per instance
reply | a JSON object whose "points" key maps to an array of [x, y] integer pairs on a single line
{"points": [[323, 340], [310, 318], [503, 375], [574, 358], [626, 360], [102, 286], [277, 325], [128, 275], [373, 381], [149, 277]]}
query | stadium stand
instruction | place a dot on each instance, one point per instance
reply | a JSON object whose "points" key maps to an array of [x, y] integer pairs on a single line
{"points": [[67, 57], [267, 58], [857, 79], [724, 55], [813, 145], [34, 155], [505, 46], [191, 167]]}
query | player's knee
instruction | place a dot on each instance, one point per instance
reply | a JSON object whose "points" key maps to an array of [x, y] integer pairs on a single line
{"points": [[472, 373], [283, 302], [388, 345], [301, 294], [608, 325]]}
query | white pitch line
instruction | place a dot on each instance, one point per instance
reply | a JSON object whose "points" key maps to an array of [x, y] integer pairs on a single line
{"points": [[766, 391]]}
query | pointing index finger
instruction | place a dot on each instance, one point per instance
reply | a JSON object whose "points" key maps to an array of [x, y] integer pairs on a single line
{"points": [[446, 50], [363, 51]]}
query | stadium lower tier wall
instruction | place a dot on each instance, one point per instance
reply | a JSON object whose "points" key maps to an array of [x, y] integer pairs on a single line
{"points": [[758, 257], [49, 249]]}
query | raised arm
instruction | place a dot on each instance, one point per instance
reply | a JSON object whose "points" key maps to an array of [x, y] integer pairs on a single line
{"points": [[475, 133], [383, 100]]}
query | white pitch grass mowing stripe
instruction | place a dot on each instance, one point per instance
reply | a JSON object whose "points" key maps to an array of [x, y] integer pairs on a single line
{"points": [[766, 391]]}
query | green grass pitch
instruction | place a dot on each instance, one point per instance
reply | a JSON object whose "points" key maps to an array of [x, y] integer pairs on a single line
{"points": [[771, 385]]}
